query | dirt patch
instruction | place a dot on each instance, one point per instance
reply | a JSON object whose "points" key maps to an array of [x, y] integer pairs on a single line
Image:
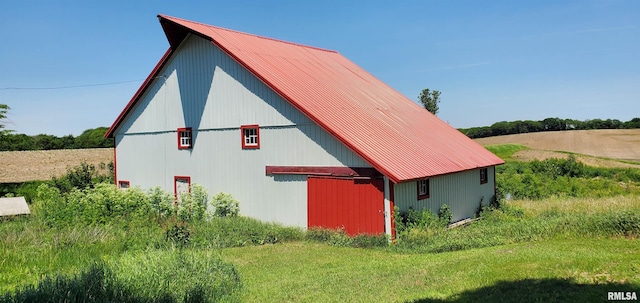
{"points": [[623, 144], [20, 166], [531, 154]]}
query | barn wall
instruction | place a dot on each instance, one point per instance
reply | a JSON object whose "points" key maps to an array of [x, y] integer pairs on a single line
{"points": [[203, 88], [461, 191]]}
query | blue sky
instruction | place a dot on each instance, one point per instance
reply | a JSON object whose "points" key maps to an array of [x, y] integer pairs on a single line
{"points": [[492, 60]]}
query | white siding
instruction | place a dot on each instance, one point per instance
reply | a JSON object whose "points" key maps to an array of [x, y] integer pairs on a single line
{"points": [[461, 191], [203, 88]]}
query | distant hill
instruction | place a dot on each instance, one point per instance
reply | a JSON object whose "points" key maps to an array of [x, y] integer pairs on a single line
{"points": [[621, 144]]}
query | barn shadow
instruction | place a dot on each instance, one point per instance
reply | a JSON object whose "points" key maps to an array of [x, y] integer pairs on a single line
{"points": [[539, 290]]}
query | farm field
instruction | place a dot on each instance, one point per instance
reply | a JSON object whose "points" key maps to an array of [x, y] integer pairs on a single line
{"points": [[620, 144], [21, 166]]}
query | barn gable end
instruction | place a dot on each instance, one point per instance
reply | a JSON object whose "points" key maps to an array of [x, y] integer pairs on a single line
{"points": [[203, 88]]}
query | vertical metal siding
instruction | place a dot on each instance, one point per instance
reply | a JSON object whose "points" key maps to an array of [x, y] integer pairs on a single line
{"points": [[461, 191], [147, 150]]}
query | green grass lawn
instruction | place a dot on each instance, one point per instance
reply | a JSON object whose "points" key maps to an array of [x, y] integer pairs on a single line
{"points": [[577, 270]]}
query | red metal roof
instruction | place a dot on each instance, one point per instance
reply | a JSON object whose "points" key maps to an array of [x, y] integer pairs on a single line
{"points": [[392, 133]]}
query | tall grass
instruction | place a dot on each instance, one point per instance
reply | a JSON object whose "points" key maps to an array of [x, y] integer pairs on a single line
{"points": [[512, 224], [154, 276]]}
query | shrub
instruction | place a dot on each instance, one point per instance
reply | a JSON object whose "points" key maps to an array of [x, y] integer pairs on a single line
{"points": [[161, 202], [192, 205], [480, 209], [445, 215], [98, 205], [563, 177], [225, 205], [178, 234], [79, 177]]}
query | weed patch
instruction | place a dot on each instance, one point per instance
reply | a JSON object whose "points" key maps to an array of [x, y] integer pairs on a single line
{"points": [[339, 237], [150, 276]]}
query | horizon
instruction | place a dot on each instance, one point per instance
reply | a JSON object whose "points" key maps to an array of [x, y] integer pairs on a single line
{"points": [[72, 67]]}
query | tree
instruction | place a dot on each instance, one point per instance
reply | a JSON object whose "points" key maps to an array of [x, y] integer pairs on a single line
{"points": [[430, 100], [3, 115]]}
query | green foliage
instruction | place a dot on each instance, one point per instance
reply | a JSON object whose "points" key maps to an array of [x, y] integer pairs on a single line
{"points": [[563, 177], [240, 231], [414, 227], [444, 214], [3, 115], [548, 124], [225, 205], [160, 276], [179, 234], [510, 224], [94, 138], [505, 151], [430, 100], [425, 219], [161, 202], [24, 189], [193, 205], [338, 237], [183, 275], [99, 205], [81, 177], [481, 207], [90, 138]]}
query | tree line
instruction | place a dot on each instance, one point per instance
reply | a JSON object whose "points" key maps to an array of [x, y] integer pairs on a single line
{"points": [[548, 124], [90, 138]]}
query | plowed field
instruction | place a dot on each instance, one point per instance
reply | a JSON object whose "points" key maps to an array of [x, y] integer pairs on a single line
{"points": [[20, 166], [622, 144]]}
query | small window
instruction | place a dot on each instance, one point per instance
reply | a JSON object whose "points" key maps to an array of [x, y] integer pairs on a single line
{"points": [[250, 136], [184, 138], [124, 184], [423, 189], [483, 176]]}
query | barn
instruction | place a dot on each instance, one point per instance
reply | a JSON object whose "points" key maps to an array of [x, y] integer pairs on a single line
{"points": [[299, 135]]}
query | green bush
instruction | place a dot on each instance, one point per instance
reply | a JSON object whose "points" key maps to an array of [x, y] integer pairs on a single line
{"points": [[28, 189], [98, 205], [225, 205], [563, 177], [445, 215], [193, 205]]}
